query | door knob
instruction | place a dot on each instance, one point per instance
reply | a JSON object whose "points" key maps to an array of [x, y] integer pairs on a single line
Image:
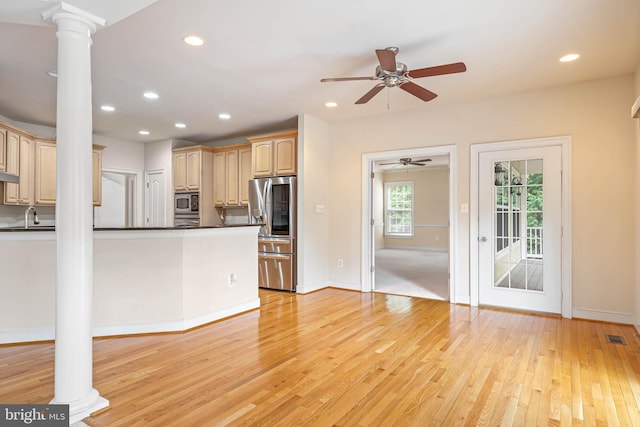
{"points": [[483, 238]]}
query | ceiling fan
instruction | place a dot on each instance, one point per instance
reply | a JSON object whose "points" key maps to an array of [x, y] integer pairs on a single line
{"points": [[404, 161], [395, 74]]}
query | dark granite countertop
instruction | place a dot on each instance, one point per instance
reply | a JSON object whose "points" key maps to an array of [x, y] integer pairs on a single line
{"points": [[46, 228]]}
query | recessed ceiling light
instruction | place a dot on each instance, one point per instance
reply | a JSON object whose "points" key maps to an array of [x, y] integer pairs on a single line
{"points": [[108, 108], [570, 57], [144, 132], [193, 41], [331, 104], [180, 125], [224, 116], [52, 73], [151, 95]]}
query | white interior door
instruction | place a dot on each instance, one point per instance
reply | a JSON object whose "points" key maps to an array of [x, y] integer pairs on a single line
{"points": [[520, 229], [154, 199]]}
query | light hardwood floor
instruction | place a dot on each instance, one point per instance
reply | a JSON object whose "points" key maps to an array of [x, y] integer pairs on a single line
{"points": [[349, 359]]}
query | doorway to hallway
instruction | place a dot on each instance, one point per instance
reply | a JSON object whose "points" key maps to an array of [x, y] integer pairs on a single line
{"points": [[408, 247]]}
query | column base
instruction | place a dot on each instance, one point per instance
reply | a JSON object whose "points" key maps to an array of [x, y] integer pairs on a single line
{"points": [[81, 409]]}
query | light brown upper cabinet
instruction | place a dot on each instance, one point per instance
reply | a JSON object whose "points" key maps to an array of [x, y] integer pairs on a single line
{"points": [[231, 162], [45, 173], [20, 161], [3, 149], [244, 172], [96, 159], [231, 174], [180, 171], [219, 178], [33, 159], [188, 168], [274, 154]]}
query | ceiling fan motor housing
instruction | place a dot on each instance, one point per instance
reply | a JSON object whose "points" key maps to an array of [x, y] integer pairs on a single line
{"points": [[392, 79]]}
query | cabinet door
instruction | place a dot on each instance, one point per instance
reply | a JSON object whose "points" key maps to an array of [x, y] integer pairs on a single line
{"points": [[232, 177], [3, 149], [193, 170], [284, 156], [13, 167], [96, 160], [219, 178], [244, 174], [262, 158], [180, 171], [27, 165], [45, 176]]}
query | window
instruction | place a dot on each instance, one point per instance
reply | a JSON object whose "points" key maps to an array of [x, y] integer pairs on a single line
{"points": [[398, 209]]}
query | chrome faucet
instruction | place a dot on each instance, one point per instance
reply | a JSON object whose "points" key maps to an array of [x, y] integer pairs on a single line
{"points": [[26, 216]]}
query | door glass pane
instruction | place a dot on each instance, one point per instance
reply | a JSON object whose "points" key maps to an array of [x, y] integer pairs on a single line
{"points": [[518, 201], [280, 209]]}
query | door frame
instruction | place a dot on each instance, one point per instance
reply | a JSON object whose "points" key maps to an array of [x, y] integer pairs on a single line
{"points": [[368, 237], [147, 174], [474, 209], [138, 219]]}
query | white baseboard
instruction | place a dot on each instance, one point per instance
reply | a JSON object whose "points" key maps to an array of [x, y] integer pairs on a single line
{"points": [[29, 335], [345, 285], [604, 316], [141, 328]]}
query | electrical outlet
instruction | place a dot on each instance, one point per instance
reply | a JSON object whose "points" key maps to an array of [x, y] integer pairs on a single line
{"points": [[340, 263]]}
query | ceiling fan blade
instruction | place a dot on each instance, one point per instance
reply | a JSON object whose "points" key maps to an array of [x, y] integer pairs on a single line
{"points": [[456, 67], [387, 59], [373, 92], [419, 91], [346, 79], [416, 164], [422, 161]]}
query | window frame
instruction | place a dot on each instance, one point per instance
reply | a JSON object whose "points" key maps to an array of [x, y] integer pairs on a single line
{"points": [[388, 187]]}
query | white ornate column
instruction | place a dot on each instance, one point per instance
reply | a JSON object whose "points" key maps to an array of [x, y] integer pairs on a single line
{"points": [[74, 213]]}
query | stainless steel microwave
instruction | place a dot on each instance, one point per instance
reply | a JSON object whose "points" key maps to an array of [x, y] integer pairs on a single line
{"points": [[187, 203]]}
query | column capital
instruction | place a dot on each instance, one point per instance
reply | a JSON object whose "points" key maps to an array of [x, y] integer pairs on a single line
{"points": [[64, 11]]}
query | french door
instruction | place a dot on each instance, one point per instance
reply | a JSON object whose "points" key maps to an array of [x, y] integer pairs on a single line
{"points": [[520, 229]]}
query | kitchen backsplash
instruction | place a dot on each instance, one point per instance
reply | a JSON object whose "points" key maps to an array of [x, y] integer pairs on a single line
{"points": [[13, 216], [233, 215]]}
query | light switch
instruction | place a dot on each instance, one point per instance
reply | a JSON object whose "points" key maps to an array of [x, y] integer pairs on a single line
{"points": [[464, 208], [319, 208]]}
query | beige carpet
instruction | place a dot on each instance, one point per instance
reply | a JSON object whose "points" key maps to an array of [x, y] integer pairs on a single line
{"points": [[416, 273]]}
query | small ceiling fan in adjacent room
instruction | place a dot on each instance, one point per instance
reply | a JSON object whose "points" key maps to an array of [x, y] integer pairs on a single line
{"points": [[405, 161], [395, 74]]}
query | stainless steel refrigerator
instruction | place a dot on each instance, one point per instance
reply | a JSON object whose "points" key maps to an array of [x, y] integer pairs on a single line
{"points": [[272, 203]]}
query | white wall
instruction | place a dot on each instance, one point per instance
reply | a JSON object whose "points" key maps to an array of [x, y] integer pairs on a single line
{"points": [[313, 193], [430, 209], [114, 212], [595, 114]]}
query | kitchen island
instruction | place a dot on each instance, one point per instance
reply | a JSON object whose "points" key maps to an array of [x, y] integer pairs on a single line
{"points": [[144, 280]]}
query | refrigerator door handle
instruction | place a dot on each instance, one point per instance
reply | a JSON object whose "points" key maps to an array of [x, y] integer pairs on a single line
{"points": [[267, 207]]}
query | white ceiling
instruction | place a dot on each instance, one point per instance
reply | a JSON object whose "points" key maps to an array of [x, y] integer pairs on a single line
{"points": [[262, 61]]}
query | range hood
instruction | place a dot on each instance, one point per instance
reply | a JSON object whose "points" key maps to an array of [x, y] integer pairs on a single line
{"points": [[7, 177]]}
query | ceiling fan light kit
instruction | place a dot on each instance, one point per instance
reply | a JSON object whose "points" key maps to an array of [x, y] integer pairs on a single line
{"points": [[391, 73]]}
